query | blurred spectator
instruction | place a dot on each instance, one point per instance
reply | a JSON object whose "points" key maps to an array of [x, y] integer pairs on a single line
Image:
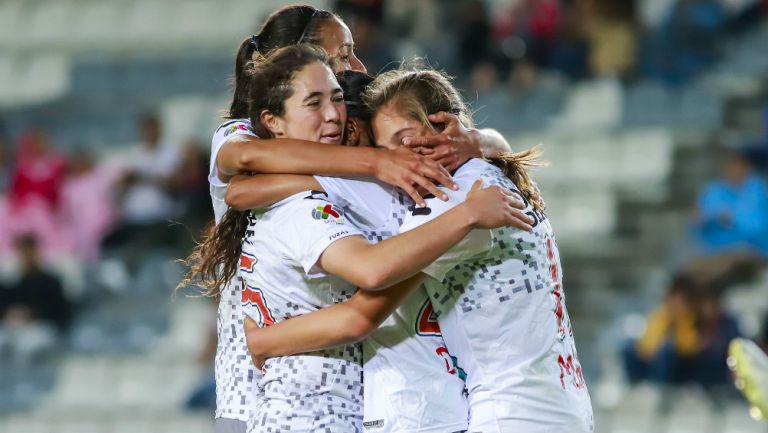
{"points": [[373, 47], [733, 211], [610, 31], [143, 192], [716, 328], [688, 40], [38, 171], [664, 353], [190, 185], [5, 165], [38, 296], [33, 197], [484, 78], [33, 310], [474, 32], [372, 10], [86, 204]]}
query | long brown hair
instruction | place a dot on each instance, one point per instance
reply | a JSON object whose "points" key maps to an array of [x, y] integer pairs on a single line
{"points": [[215, 259], [418, 93], [289, 25]]}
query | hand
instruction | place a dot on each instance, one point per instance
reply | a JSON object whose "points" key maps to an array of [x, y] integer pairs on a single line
{"points": [[494, 207], [452, 147], [251, 329], [408, 170]]}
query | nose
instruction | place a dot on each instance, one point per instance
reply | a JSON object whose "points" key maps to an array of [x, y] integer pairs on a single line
{"points": [[336, 113], [356, 64]]}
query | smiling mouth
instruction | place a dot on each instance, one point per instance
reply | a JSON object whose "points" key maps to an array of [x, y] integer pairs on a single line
{"points": [[332, 138]]}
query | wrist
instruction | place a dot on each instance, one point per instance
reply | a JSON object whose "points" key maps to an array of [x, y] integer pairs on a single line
{"points": [[467, 218], [476, 137], [370, 160]]}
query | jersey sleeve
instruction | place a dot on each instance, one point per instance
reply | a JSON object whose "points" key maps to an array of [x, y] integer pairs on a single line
{"points": [[313, 225], [474, 244], [335, 188], [223, 133]]}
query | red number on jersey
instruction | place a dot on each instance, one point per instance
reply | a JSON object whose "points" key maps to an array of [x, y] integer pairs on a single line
{"points": [[558, 292], [254, 297], [570, 366], [426, 322]]}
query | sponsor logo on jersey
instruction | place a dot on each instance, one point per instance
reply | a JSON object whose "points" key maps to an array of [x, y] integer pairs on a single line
{"points": [[236, 127], [328, 213], [370, 425], [247, 262]]}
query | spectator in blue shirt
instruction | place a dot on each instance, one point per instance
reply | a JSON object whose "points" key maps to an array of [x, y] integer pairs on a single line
{"points": [[733, 211]]}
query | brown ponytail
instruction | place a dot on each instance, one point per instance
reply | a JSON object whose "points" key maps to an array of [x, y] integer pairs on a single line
{"points": [[515, 166]]}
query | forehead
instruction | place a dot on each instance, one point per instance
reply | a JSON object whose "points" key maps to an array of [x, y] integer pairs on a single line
{"points": [[334, 33], [390, 119], [314, 77]]}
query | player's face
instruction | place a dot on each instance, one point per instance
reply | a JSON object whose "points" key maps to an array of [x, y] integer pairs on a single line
{"points": [[338, 43], [390, 127], [315, 111]]}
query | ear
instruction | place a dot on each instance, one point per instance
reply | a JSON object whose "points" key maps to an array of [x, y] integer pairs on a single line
{"points": [[351, 133], [274, 124]]}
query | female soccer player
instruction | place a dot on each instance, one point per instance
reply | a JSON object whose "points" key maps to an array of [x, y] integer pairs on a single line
{"points": [[497, 296], [290, 252], [236, 149]]}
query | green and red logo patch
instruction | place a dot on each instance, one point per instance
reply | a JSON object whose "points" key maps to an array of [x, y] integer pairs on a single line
{"points": [[328, 213]]}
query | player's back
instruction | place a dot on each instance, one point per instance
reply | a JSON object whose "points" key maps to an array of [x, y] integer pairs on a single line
{"points": [[501, 306]]}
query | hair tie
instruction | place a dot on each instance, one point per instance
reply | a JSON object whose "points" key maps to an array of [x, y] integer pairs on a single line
{"points": [[255, 42]]}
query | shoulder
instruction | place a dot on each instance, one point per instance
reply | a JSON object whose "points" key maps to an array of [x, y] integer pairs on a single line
{"points": [[233, 126]]}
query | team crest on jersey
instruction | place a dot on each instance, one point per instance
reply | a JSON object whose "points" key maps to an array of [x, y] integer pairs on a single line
{"points": [[329, 213], [426, 323], [234, 128], [247, 262]]}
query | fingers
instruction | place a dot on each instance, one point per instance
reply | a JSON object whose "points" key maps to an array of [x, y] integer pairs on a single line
{"points": [[415, 196], [439, 174], [477, 185], [520, 220], [426, 151], [443, 117], [432, 188], [428, 140]]}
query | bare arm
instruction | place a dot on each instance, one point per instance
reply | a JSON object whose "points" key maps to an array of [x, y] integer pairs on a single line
{"points": [[339, 324], [243, 154], [395, 259], [251, 192]]}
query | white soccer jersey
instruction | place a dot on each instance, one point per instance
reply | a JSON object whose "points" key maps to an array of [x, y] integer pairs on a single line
{"points": [[412, 384], [315, 392], [218, 188], [235, 374], [500, 303]]}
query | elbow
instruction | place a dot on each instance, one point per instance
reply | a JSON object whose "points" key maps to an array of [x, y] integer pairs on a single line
{"points": [[358, 329], [246, 160], [235, 198], [376, 279]]}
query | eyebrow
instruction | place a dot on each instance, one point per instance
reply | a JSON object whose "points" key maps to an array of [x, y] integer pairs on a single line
{"points": [[317, 94]]}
